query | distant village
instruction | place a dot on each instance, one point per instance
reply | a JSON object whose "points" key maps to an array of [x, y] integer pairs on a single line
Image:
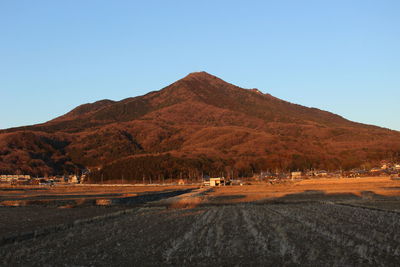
{"points": [[386, 169], [21, 179]]}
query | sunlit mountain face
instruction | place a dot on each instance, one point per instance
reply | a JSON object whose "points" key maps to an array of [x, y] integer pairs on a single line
{"points": [[199, 124]]}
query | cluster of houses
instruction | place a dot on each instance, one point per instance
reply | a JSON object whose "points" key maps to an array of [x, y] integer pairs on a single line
{"points": [[293, 175], [16, 179], [386, 169]]}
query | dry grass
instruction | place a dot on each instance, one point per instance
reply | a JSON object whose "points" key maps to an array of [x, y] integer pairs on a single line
{"points": [[365, 188]]}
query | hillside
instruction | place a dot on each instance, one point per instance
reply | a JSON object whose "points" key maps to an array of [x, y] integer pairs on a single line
{"points": [[199, 124]]}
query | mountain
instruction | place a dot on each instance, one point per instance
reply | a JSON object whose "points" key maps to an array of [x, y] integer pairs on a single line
{"points": [[199, 124]]}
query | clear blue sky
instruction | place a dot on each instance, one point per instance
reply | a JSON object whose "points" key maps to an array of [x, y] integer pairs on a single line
{"points": [[340, 55]]}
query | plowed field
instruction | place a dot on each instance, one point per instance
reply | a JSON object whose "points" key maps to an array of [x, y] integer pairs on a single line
{"points": [[318, 225]]}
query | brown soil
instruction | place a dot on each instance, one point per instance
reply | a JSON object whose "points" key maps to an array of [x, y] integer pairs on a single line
{"points": [[27, 208], [312, 223]]}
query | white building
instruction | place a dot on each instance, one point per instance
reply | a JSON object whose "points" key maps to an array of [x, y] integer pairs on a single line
{"points": [[215, 181], [296, 175]]}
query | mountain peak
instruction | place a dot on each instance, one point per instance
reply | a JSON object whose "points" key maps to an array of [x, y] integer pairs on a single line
{"points": [[205, 80], [201, 75]]}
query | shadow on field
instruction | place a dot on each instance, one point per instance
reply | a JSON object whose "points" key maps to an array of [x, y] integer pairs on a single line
{"points": [[72, 201], [227, 198], [314, 195], [319, 195], [150, 197], [44, 220]]}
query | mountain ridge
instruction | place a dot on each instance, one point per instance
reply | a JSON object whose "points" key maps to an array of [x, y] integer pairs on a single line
{"points": [[198, 122]]}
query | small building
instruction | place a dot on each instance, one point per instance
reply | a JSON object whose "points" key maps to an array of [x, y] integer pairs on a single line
{"points": [[181, 182], [296, 175], [73, 179], [214, 181], [83, 178], [321, 173], [217, 181]]}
